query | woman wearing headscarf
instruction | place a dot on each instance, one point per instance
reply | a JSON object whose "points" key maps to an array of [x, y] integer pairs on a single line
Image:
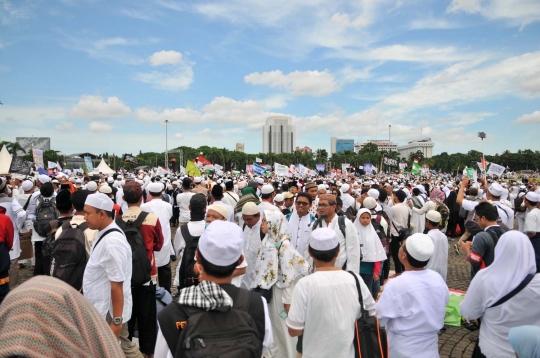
{"points": [[277, 267], [514, 263], [45, 317], [372, 250], [249, 194], [525, 341]]}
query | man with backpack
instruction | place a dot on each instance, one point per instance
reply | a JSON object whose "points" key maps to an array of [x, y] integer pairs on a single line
{"points": [[216, 314], [186, 241], [107, 276], [349, 245], [481, 251], [144, 235]]}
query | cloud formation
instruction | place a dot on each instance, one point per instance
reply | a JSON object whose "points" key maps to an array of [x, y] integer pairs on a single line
{"points": [[94, 108], [313, 83]]}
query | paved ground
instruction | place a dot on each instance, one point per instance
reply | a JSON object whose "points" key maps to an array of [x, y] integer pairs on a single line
{"points": [[454, 343]]}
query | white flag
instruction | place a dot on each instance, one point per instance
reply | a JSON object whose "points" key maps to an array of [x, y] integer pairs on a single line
{"points": [[281, 169], [58, 166], [51, 165], [496, 169], [258, 160], [218, 168]]}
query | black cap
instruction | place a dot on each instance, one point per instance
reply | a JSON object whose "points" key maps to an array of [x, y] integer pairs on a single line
{"points": [[229, 185], [197, 202], [217, 191], [63, 200]]}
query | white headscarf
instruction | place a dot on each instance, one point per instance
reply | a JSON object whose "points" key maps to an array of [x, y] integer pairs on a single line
{"points": [[372, 249], [514, 260], [273, 266]]}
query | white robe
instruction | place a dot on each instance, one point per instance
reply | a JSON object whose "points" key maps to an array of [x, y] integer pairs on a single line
{"points": [[284, 345], [439, 260], [252, 242], [418, 219]]}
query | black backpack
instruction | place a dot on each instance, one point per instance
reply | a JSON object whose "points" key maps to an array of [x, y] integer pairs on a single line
{"points": [[379, 229], [68, 259], [187, 276], [47, 246], [351, 212], [229, 334], [141, 266], [45, 213]]}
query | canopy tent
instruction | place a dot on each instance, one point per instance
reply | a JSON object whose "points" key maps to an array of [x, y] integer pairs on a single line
{"points": [[104, 168], [5, 160]]}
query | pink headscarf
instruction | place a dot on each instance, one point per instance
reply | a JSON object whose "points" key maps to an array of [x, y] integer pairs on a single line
{"points": [[437, 195]]}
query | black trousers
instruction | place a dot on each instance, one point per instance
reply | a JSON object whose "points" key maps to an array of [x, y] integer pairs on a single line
{"points": [[175, 215], [145, 316], [394, 249], [385, 270], [477, 353], [165, 277], [38, 265]]}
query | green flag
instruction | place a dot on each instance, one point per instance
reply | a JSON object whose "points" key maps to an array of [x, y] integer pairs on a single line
{"points": [[470, 172], [416, 169]]}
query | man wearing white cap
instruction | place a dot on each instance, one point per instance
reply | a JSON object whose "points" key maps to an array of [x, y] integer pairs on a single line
{"points": [[252, 239], [493, 193], [346, 197], [267, 198], [198, 188], [218, 254], [413, 305], [439, 259], [163, 210], [324, 298], [532, 223], [107, 277]]}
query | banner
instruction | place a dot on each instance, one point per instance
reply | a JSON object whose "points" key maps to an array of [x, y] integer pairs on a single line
{"points": [[281, 169], [88, 163], [51, 165], [20, 166], [58, 166], [191, 169], [258, 169], [38, 158], [128, 158], [249, 169], [402, 166], [496, 169], [390, 162], [416, 168], [258, 160], [469, 172], [368, 168], [344, 167], [182, 170], [320, 167], [292, 169]]}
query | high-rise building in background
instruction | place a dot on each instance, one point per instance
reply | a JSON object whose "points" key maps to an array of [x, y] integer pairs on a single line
{"points": [[382, 145], [279, 135], [240, 147], [340, 145], [423, 145]]}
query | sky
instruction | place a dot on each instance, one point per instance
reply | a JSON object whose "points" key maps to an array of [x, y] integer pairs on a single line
{"points": [[103, 76]]}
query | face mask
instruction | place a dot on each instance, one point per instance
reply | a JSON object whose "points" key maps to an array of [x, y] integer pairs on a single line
{"points": [[206, 225]]}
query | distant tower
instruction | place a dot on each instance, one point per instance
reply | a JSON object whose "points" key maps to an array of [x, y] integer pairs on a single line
{"points": [[279, 135]]}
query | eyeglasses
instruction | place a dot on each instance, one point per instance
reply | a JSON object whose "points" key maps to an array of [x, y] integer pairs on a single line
{"points": [[325, 205], [301, 203]]}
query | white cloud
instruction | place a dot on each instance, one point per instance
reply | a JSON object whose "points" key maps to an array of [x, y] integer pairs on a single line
{"points": [[65, 127], [312, 83], [429, 23], [165, 58], [100, 127], [464, 119], [468, 82], [93, 108], [533, 118], [31, 115], [405, 53], [216, 133], [176, 115], [178, 79], [519, 12], [178, 136]]}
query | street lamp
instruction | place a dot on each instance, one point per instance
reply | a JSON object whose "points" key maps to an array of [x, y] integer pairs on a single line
{"points": [[166, 145]]}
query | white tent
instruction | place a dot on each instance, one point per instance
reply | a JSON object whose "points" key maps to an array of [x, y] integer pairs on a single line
{"points": [[5, 160], [104, 168]]}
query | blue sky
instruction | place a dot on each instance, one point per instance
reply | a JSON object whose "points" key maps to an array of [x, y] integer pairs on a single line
{"points": [[103, 76]]}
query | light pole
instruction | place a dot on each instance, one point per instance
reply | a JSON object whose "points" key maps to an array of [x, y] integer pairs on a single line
{"points": [[166, 145]]}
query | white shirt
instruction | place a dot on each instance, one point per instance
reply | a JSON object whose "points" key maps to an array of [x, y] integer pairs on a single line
{"points": [[230, 198], [266, 206], [349, 248], [163, 211], [439, 260], [110, 260], [252, 243], [532, 221], [412, 307], [182, 200], [120, 201], [347, 200], [162, 348], [17, 215], [299, 229], [400, 218], [22, 198], [325, 305]]}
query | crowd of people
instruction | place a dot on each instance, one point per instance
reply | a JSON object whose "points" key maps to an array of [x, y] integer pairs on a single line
{"points": [[266, 266]]}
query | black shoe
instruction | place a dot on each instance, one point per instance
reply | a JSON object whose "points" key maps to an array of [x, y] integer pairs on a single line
{"points": [[173, 257]]}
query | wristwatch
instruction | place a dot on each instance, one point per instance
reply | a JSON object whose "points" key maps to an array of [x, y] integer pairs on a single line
{"points": [[117, 320]]}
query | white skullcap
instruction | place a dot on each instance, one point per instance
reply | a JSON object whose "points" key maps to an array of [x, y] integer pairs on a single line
{"points": [[345, 188], [420, 247], [78, 181], [321, 187], [532, 196], [105, 189], [110, 180], [99, 201], [120, 177], [260, 181], [279, 198], [44, 178], [197, 180], [323, 239], [369, 203], [496, 189], [222, 210], [250, 208], [155, 187], [267, 189], [433, 216], [373, 193], [27, 185], [91, 186], [175, 183], [221, 243]]}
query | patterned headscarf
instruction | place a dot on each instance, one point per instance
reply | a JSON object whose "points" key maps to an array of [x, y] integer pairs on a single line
{"points": [[248, 195], [45, 317], [437, 195], [277, 261]]}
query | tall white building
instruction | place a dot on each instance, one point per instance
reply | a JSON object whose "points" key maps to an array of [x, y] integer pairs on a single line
{"points": [[279, 135], [423, 145]]}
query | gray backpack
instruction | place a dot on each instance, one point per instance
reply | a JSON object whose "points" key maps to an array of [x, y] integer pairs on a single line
{"points": [[45, 213]]}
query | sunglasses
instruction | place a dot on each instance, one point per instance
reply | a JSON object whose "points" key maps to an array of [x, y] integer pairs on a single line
{"points": [[302, 203]]}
